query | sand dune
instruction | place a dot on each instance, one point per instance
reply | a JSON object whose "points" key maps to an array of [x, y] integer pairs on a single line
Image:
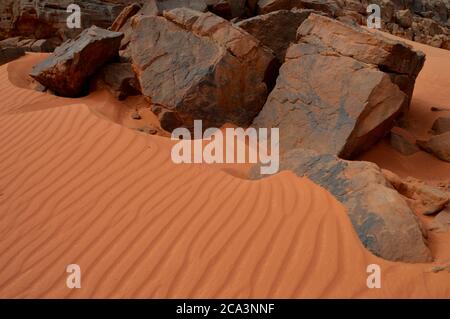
{"points": [[78, 188]]}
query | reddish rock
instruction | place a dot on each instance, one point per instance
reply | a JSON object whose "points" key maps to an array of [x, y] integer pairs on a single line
{"points": [[66, 70], [45, 19], [276, 30], [331, 95], [9, 54], [329, 7], [403, 142], [441, 125], [438, 145], [124, 16], [220, 77], [228, 9], [379, 214], [423, 198], [118, 78]]}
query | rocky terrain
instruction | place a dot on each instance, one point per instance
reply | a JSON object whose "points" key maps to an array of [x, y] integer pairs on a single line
{"points": [[333, 88]]}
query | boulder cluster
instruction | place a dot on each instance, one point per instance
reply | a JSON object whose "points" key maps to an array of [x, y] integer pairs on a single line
{"points": [[331, 87]]}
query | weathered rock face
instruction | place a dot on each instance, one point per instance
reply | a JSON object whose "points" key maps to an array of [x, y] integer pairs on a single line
{"points": [[438, 145], [276, 30], [219, 75], [124, 16], [329, 7], [41, 19], [65, 71], [441, 125], [403, 142], [331, 94], [378, 212], [118, 78], [32, 45], [229, 9], [8, 54], [422, 198]]}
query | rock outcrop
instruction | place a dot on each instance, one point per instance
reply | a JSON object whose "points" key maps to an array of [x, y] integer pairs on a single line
{"points": [[42, 19], [66, 71], [276, 30], [438, 145], [118, 78], [379, 214], [221, 74], [403, 142], [8, 54], [441, 125], [337, 91], [422, 198]]}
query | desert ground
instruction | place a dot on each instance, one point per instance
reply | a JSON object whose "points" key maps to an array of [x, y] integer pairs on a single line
{"points": [[79, 186]]}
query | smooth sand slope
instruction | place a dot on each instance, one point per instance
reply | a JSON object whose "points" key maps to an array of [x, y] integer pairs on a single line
{"points": [[78, 188]]}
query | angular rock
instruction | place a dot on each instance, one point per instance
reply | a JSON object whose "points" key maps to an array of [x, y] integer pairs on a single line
{"points": [[221, 75], [124, 16], [329, 7], [378, 213], [45, 45], [277, 29], [331, 95], [118, 78], [48, 18], [157, 7], [9, 54], [402, 143], [404, 18], [228, 9], [438, 145], [441, 125], [423, 198], [66, 70]]}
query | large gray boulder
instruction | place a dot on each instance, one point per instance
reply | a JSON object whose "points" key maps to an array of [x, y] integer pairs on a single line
{"points": [[66, 71], [197, 65], [384, 222], [337, 91]]}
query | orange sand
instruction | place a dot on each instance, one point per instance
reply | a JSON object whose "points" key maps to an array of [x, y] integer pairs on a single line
{"points": [[76, 187]]}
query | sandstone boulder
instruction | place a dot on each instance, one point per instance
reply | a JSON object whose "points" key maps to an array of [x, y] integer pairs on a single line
{"points": [[403, 142], [404, 18], [66, 70], [441, 125], [277, 29], [329, 7], [197, 65], [337, 91], [124, 16], [228, 9], [438, 145], [8, 54], [379, 214], [422, 198], [118, 78]]}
